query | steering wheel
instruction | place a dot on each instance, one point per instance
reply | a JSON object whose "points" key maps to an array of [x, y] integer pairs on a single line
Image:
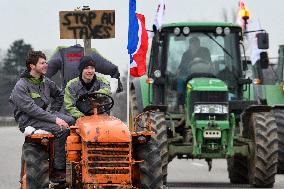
{"points": [[199, 60], [87, 102], [205, 70]]}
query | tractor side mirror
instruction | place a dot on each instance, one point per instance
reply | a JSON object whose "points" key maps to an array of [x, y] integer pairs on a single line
{"points": [[262, 40], [264, 61]]}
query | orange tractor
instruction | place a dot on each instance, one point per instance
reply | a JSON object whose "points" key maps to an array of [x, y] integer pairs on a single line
{"points": [[101, 152]]}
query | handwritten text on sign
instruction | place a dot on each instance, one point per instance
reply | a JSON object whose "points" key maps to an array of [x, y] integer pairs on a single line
{"points": [[99, 24]]}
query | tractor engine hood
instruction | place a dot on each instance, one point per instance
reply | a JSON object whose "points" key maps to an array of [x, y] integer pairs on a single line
{"points": [[103, 128], [206, 84]]}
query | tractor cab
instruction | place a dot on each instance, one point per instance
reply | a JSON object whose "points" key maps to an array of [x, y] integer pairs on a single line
{"points": [[191, 52]]}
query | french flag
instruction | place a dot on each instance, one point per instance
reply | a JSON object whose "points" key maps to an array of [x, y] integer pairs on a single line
{"points": [[137, 41]]}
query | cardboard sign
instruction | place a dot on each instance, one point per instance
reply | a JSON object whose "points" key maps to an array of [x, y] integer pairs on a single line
{"points": [[99, 24]]}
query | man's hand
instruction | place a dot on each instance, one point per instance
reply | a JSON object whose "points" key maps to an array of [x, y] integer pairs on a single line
{"points": [[61, 122]]}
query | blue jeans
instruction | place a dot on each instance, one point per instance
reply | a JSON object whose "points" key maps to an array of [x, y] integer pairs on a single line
{"points": [[181, 90]]}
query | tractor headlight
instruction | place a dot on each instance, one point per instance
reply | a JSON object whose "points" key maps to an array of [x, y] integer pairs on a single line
{"points": [[186, 30], [177, 31], [219, 30], [211, 108], [227, 31]]}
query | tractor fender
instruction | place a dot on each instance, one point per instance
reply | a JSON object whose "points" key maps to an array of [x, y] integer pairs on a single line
{"points": [[258, 108], [253, 109], [140, 89]]}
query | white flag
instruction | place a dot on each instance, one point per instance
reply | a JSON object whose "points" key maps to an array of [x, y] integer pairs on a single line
{"points": [[160, 14]]}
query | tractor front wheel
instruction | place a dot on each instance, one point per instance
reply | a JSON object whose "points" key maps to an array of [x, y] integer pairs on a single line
{"points": [[159, 126], [151, 167], [262, 129]]}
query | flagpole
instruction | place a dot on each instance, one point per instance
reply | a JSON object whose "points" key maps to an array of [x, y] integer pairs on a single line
{"points": [[128, 91], [87, 42]]}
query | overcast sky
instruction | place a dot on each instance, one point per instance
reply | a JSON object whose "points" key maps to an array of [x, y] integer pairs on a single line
{"points": [[37, 21]]}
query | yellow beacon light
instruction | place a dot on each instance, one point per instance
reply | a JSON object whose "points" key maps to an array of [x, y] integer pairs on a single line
{"points": [[244, 12]]}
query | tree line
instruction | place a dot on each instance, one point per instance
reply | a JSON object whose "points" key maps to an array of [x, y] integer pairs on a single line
{"points": [[13, 64]]}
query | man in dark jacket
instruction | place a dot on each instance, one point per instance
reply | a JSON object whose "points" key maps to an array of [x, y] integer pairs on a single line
{"points": [[192, 56], [87, 82], [194, 53], [67, 61], [30, 98]]}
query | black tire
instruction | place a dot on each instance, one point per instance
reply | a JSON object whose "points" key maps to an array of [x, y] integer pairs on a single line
{"points": [[238, 170], [37, 166], [279, 116], [263, 160], [151, 168], [159, 126]]}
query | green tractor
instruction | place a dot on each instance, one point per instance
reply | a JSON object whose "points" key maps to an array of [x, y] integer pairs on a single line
{"points": [[268, 89], [196, 104]]}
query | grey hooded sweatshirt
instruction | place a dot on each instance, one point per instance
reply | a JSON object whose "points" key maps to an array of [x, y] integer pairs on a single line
{"points": [[30, 98]]}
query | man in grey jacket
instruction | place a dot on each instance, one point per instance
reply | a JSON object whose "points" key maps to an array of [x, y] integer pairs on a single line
{"points": [[30, 98]]}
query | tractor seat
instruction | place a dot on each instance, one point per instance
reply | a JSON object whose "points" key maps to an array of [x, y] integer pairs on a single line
{"points": [[29, 131], [35, 135]]}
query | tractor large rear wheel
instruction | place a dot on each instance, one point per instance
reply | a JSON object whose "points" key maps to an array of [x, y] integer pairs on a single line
{"points": [[36, 172], [279, 116], [262, 129], [151, 168], [158, 124], [238, 170]]}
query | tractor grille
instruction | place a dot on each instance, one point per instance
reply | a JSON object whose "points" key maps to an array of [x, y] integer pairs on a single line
{"points": [[212, 97], [209, 96], [217, 117], [108, 158]]}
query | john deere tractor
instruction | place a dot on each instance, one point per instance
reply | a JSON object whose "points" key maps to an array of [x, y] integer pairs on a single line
{"points": [[197, 105], [268, 89]]}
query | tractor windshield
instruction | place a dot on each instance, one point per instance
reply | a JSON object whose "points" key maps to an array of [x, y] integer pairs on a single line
{"points": [[204, 55]]}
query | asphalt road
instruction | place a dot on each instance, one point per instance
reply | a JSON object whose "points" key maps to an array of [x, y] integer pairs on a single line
{"points": [[182, 174]]}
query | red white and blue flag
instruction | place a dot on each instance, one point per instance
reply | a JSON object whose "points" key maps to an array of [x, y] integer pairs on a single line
{"points": [[137, 41]]}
